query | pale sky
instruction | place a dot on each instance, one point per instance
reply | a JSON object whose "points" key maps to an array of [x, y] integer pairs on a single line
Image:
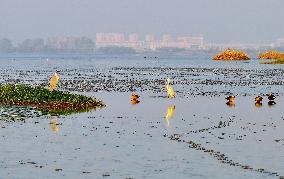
{"points": [[217, 20]]}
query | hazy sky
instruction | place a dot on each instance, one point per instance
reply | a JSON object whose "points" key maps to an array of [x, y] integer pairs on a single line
{"points": [[216, 20]]}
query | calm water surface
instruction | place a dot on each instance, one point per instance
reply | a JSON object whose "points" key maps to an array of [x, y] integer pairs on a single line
{"points": [[134, 141]]}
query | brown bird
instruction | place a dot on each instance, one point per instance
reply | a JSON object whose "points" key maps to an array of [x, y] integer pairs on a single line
{"points": [[230, 98], [134, 97], [258, 99]]}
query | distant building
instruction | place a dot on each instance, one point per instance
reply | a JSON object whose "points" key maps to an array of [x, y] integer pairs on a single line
{"points": [[32, 45], [150, 43], [109, 39], [6, 45]]}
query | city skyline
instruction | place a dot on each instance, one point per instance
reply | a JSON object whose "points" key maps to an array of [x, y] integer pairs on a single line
{"points": [[126, 40], [219, 21]]}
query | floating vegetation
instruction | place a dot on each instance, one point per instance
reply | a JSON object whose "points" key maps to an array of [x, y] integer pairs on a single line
{"points": [[53, 102], [274, 62], [230, 54], [18, 113], [271, 55]]}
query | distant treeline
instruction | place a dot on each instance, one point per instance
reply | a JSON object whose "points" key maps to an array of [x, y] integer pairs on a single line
{"points": [[55, 44]]}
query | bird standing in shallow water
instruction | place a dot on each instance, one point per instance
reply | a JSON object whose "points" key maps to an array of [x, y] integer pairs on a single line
{"points": [[271, 97], [170, 89], [53, 81], [134, 99], [258, 99], [230, 98]]}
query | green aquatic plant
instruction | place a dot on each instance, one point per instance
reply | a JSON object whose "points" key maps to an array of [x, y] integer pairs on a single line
{"points": [[54, 102]]}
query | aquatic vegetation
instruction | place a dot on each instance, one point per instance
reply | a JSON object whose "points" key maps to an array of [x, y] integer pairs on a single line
{"points": [[170, 89], [53, 102], [270, 55], [275, 62], [230, 54]]}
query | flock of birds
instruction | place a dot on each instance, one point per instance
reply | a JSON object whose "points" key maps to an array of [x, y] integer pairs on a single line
{"points": [[258, 100], [171, 93]]}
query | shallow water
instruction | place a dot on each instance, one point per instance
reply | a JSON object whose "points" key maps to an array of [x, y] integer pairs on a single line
{"points": [[139, 141]]}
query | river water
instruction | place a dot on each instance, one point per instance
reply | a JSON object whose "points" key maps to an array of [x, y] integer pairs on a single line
{"points": [[195, 135]]}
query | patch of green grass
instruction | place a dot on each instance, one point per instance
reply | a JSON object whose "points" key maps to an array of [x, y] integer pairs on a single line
{"points": [[274, 62], [55, 102]]}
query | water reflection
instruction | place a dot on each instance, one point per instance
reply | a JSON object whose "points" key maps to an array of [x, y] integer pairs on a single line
{"points": [[53, 124], [134, 102], [169, 115], [271, 103], [258, 104], [230, 103]]}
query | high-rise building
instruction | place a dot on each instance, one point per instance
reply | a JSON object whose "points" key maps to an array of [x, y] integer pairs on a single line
{"points": [[149, 38], [133, 38], [109, 39]]}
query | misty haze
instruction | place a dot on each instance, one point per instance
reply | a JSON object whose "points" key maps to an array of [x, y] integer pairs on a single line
{"points": [[141, 89]]}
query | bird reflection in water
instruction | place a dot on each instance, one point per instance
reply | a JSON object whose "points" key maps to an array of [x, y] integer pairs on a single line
{"points": [[271, 103], [258, 104], [53, 124], [170, 113], [230, 103]]}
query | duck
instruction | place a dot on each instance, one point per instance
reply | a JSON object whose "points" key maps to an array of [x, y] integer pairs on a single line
{"points": [[134, 102], [53, 81], [170, 89], [271, 97], [258, 99], [134, 97], [230, 98]]}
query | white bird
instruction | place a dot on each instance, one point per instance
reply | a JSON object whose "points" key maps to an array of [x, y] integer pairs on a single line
{"points": [[170, 89], [53, 81]]}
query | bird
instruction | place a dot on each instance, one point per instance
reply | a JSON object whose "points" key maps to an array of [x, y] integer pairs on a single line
{"points": [[170, 89], [134, 96], [134, 102], [271, 97], [230, 98], [134, 99], [258, 99], [53, 81], [170, 113]]}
